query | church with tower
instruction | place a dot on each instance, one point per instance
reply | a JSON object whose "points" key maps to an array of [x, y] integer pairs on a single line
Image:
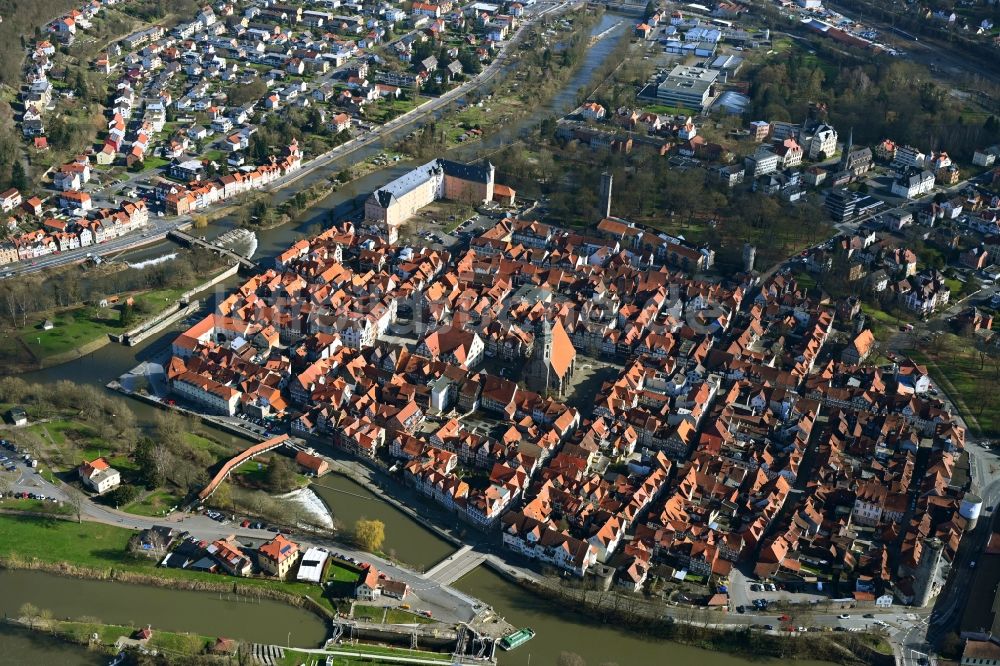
{"points": [[553, 359], [855, 161]]}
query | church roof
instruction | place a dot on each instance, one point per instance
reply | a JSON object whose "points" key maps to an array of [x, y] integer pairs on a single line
{"points": [[562, 350]]}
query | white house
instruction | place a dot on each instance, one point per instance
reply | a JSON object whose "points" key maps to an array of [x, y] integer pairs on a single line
{"points": [[99, 476], [913, 184]]}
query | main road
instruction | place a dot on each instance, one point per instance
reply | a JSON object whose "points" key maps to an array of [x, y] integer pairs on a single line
{"points": [[159, 227]]}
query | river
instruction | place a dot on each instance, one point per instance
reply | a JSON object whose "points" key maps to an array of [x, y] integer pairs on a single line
{"points": [[561, 630], [112, 360], [207, 613], [22, 647], [405, 539], [558, 629]]}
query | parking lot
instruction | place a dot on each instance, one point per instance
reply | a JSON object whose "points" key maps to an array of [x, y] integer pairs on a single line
{"points": [[21, 478]]}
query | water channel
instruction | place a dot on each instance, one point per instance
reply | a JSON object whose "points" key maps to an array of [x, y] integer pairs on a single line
{"points": [[558, 629], [405, 539], [207, 613]]}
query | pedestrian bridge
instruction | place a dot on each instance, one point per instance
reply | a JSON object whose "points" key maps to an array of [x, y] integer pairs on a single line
{"points": [[238, 460]]}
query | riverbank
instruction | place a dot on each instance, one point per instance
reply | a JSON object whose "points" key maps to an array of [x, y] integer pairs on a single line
{"points": [[106, 638], [698, 629], [93, 551], [543, 66], [49, 336]]}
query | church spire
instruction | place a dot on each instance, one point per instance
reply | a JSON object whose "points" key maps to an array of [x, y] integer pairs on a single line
{"points": [[848, 146]]}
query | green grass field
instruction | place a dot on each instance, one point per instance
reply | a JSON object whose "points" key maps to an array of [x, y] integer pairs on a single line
{"points": [[214, 155], [252, 472], [399, 616], [379, 650], [76, 441], [389, 615], [203, 443], [86, 544], [294, 658], [371, 613], [79, 326], [151, 163], [38, 506], [157, 300], [57, 430], [386, 109], [956, 368], [667, 110], [883, 324], [154, 504], [81, 632], [341, 574], [72, 329]]}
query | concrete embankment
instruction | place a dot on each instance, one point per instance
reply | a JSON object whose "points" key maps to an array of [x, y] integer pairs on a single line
{"points": [[224, 275], [72, 355], [182, 308], [159, 322]]}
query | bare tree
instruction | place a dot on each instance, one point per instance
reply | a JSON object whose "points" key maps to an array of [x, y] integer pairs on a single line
{"points": [[76, 501], [29, 612]]}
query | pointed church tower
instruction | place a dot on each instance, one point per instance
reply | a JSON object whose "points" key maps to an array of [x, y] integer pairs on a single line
{"points": [[553, 359], [848, 147], [541, 357]]}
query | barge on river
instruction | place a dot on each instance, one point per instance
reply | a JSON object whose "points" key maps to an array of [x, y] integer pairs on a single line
{"points": [[517, 639]]}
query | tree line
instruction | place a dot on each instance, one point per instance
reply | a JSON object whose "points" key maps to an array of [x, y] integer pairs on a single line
{"points": [[878, 97], [25, 296], [648, 191]]}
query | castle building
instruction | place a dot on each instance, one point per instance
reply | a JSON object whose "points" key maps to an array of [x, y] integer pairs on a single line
{"points": [[391, 205]]}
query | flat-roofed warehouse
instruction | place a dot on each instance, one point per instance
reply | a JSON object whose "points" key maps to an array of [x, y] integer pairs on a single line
{"points": [[688, 87]]}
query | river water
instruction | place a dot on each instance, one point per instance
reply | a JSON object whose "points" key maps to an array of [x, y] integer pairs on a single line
{"points": [[20, 647], [558, 628], [205, 613], [405, 539], [561, 630]]}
